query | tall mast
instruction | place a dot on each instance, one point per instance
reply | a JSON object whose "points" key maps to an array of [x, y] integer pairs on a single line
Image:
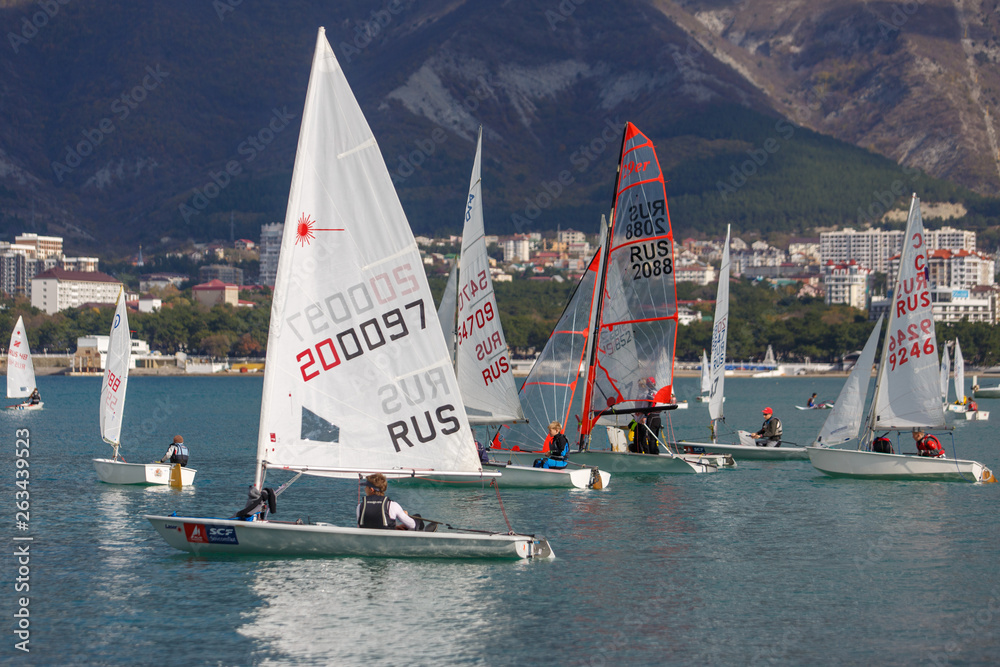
{"points": [[587, 422]]}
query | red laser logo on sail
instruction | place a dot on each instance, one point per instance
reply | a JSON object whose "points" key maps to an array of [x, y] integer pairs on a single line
{"points": [[305, 228]]}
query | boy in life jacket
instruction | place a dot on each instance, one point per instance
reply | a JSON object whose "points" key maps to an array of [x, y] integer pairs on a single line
{"points": [[769, 434], [558, 448], [927, 445]]}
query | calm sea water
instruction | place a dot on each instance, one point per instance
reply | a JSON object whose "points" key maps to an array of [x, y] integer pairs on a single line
{"points": [[768, 564]]}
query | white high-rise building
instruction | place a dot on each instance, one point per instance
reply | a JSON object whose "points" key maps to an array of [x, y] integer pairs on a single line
{"points": [[270, 247], [517, 249], [874, 248], [846, 284]]}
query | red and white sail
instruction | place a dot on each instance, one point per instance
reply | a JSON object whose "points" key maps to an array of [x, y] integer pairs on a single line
{"points": [[358, 376], [483, 363], [20, 370], [632, 362], [908, 393]]}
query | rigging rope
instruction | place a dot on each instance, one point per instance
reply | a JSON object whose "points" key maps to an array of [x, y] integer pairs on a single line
{"points": [[493, 483]]}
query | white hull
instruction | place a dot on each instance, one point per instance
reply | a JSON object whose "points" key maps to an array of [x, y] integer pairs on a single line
{"points": [[627, 462], [702, 399], [26, 406], [206, 535], [514, 476], [749, 453], [119, 472], [987, 392], [682, 405], [977, 416], [825, 406], [873, 465]]}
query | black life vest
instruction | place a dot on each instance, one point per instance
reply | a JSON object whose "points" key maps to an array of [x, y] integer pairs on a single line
{"points": [[559, 447], [375, 513]]}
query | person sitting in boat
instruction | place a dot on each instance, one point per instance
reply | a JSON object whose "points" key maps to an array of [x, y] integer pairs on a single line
{"points": [[558, 448], [654, 422], [927, 444], [811, 403], [970, 405], [177, 452], [637, 434], [769, 434], [376, 510], [35, 397]]}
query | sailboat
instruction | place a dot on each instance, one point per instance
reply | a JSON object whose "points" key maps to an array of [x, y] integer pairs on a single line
{"points": [[633, 321], [116, 470], [907, 389], [484, 371], [20, 370], [770, 367], [960, 405], [706, 379], [358, 379], [746, 448]]}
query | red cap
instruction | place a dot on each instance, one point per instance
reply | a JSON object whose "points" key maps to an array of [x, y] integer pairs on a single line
{"points": [[651, 380], [766, 411]]}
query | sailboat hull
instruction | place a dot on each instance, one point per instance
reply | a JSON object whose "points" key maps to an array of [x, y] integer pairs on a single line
{"points": [[26, 406], [269, 538], [110, 471], [514, 476], [631, 463], [747, 453], [987, 392], [874, 465]]}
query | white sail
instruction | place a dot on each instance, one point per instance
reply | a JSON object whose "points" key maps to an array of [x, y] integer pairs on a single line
{"points": [[116, 375], [446, 309], [706, 375], [908, 394], [844, 421], [719, 331], [20, 370], [959, 374], [482, 362], [358, 376], [945, 371]]}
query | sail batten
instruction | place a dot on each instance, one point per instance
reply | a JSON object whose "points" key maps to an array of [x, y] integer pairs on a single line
{"points": [[358, 374]]}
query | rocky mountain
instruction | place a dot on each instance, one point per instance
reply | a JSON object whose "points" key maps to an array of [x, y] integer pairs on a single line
{"points": [[125, 123]]}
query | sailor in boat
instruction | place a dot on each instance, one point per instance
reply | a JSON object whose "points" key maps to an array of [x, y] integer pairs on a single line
{"points": [[35, 397], [769, 434], [882, 445], [970, 405], [377, 511], [927, 444], [177, 452], [558, 448], [811, 403]]}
